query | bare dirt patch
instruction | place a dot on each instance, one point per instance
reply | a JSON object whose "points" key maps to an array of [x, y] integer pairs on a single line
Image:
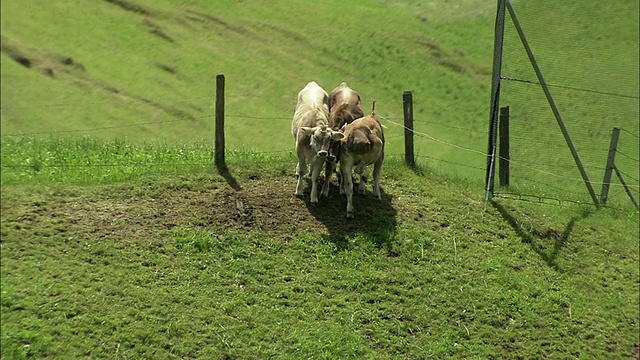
{"points": [[260, 205]]}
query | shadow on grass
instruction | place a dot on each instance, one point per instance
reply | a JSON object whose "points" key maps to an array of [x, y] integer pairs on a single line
{"points": [[417, 169], [539, 239], [226, 174], [373, 219]]}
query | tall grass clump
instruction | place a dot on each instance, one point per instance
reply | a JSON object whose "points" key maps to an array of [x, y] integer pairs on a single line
{"points": [[90, 161]]}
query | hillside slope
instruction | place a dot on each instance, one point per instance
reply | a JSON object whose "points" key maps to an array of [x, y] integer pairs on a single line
{"points": [[196, 265], [113, 63], [144, 71]]}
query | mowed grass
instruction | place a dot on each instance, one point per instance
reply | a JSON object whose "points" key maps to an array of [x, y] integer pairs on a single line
{"points": [[170, 262], [120, 239], [154, 64]]}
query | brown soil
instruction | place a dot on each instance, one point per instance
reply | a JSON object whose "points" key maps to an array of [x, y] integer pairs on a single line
{"points": [[259, 205]]}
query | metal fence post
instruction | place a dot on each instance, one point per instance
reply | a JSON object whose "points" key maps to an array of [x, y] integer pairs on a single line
{"points": [[504, 146], [611, 160], [552, 103], [495, 100]]}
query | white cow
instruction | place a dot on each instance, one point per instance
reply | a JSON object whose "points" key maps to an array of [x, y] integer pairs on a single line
{"points": [[311, 131], [361, 146]]}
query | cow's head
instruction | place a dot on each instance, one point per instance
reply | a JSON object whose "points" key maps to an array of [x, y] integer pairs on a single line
{"points": [[344, 114], [321, 138]]}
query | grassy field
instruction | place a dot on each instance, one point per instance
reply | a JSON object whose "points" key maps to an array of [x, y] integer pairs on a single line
{"points": [[120, 240], [169, 261], [144, 71], [154, 63]]}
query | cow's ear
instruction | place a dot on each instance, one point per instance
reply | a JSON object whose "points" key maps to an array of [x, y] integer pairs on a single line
{"points": [[308, 130], [337, 135]]}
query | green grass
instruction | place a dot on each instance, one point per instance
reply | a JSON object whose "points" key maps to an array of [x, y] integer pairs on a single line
{"points": [[143, 71], [119, 239], [90, 161], [163, 262]]}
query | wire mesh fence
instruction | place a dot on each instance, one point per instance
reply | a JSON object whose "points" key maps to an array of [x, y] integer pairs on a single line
{"points": [[593, 90]]}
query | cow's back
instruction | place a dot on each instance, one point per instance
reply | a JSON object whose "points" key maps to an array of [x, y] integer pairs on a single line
{"points": [[345, 106], [344, 94], [363, 139], [312, 108]]}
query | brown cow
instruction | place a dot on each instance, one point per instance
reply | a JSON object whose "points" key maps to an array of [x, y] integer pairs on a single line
{"points": [[345, 106], [361, 146], [311, 131]]}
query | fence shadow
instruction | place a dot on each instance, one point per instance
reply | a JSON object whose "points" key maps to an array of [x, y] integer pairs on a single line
{"points": [[546, 242], [373, 219], [226, 174]]}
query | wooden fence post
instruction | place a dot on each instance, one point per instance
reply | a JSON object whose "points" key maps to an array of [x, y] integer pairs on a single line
{"points": [[407, 102], [504, 146], [219, 130]]}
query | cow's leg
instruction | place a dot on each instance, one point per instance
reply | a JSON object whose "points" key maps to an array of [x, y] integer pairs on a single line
{"points": [[301, 168], [347, 180], [328, 173], [377, 168], [316, 167], [364, 176], [342, 182]]}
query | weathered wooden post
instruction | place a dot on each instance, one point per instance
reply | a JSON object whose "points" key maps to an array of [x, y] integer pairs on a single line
{"points": [[504, 146], [219, 131], [407, 102]]}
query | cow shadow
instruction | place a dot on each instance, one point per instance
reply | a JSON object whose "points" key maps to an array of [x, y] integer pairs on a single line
{"points": [[373, 220]]}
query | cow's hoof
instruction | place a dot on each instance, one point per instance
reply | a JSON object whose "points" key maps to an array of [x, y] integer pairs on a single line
{"points": [[299, 194], [349, 215]]}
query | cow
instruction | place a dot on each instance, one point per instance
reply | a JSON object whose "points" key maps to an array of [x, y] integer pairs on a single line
{"points": [[313, 136], [345, 106], [362, 144]]}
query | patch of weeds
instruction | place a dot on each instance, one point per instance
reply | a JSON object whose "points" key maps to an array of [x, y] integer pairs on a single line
{"points": [[196, 239], [23, 344]]}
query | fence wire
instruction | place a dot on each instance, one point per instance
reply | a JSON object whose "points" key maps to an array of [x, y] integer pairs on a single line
{"points": [[591, 99], [427, 146], [579, 73]]}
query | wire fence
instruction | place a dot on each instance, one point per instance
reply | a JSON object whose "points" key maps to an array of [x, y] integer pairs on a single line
{"points": [[579, 72], [581, 79], [437, 145]]}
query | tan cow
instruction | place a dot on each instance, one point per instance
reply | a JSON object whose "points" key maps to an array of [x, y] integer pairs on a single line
{"points": [[345, 106], [361, 146], [311, 131]]}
